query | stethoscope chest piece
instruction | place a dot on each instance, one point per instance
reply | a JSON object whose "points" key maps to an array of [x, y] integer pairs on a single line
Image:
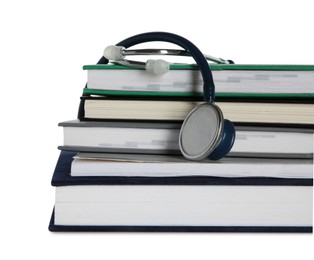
{"points": [[201, 131]]}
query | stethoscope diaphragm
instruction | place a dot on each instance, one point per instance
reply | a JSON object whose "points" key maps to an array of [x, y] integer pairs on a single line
{"points": [[201, 131]]}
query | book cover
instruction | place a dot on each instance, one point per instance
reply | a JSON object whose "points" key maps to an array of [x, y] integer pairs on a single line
{"points": [[62, 177]]}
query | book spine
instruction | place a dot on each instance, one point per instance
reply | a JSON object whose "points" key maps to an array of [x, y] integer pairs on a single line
{"points": [[81, 110]]}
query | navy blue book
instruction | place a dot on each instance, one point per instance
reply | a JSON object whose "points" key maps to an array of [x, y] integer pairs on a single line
{"points": [[179, 204]]}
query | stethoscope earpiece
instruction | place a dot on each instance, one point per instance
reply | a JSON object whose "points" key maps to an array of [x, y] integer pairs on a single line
{"points": [[114, 53], [204, 132], [157, 67]]}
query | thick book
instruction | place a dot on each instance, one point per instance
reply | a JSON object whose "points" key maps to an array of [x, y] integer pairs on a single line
{"points": [[181, 204], [163, 138], [232, 80], [177, 110]]}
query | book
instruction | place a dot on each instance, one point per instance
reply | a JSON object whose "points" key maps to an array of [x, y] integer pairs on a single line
{"points": [[182, 204], [147, 165], [162, 138], [177, 110], [231, 80]]}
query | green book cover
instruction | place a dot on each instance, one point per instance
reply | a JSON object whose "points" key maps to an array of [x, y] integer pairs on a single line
{"points": [[272, 67], [297, 79]]}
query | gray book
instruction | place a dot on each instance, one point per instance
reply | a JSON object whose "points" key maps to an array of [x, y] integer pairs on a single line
{"points": [[162, 138]]}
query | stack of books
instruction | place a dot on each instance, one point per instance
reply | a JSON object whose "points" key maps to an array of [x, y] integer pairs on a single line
{"points": [[120, 167]]}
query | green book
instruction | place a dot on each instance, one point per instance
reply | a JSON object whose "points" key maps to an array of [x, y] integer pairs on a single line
{"points": [[231, 81]]}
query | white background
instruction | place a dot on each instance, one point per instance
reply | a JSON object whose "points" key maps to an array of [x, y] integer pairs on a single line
{"points": [[43, 47]]}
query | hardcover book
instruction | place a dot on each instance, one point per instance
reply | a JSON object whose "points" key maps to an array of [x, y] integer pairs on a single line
{"points": [[176, 110], [163, 138], [189, 204], [232, 80]]}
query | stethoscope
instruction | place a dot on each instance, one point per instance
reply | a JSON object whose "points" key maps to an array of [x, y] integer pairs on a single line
{"points": [[204, 132]]}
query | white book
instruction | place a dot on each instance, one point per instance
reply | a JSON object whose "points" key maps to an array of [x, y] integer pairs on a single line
{"points": [[143, 165]]}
